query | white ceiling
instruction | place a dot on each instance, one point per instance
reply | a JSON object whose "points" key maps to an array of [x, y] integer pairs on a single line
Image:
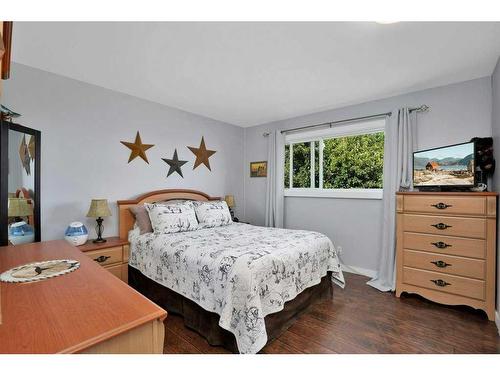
{"points": [[252, 73]]}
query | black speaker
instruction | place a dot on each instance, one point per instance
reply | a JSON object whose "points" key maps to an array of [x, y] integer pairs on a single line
{"points": [[480, 178], [484, 157]]}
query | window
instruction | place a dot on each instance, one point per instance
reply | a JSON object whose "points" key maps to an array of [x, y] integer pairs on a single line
{"points": [[342, 161]]}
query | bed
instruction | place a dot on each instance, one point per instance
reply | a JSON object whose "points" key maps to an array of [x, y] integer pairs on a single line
{"points": [[237, 285]]}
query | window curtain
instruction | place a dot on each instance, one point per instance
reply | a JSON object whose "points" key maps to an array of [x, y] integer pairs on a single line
{"points": [[400, 143], [275, 179]]}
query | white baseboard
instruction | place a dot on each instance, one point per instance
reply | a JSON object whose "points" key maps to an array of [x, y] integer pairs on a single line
{"points": [[359, 270], [497, 321]]}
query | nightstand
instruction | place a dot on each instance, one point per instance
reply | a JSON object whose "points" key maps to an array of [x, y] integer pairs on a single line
{"points": [[112, 255]]}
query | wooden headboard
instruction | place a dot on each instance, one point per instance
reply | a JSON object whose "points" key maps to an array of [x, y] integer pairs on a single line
{"points": [[126, 219]]}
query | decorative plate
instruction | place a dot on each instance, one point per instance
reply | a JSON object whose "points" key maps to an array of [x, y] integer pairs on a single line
{"points": [[39, 271]]}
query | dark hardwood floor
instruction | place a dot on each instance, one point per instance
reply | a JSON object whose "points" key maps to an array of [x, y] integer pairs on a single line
{"points": [[361, 319]]}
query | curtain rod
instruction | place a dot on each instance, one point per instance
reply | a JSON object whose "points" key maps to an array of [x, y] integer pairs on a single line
{"points": [[422, 108]]}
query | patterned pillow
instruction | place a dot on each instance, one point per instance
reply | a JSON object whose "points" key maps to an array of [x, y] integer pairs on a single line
{"points": [[142, 218], [172, 218], [212, 214], [172, 201]]}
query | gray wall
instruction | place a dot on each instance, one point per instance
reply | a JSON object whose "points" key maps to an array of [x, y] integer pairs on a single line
{"points": [[495, 122], [458, 113], [82, 158]]}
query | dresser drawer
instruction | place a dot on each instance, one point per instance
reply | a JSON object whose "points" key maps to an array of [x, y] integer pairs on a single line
{"points": [[115, 270], [444, 225], [446, 205], [445, 263], [107, 256], [450, 284], [466, 247]]}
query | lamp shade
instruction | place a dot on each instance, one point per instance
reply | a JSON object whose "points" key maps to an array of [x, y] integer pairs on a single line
{"points": [[19, 207], [99, 208], [230, 200]]}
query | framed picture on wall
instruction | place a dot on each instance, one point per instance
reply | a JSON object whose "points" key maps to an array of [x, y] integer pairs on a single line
{"points": [[258, 169]]}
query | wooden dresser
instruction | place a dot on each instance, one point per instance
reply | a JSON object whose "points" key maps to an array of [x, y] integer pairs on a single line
{"points": [[446, 247], [86, 311], [112, 255]]}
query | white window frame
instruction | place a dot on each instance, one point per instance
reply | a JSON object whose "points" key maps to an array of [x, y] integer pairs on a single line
{"points": [[352, 129]]}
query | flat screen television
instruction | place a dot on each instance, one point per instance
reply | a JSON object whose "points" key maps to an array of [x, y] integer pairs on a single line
{"points": [[446, 167]]}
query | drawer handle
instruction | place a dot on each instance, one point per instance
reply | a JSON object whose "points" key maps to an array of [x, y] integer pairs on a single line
{"points": [[441, 264], [440, 283], [440, 244], [102, 258], [441, 206], [441, 226]]}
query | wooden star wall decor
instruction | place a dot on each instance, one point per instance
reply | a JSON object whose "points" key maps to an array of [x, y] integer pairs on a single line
{"points": [[137, 148], [31, 147], [202, 154], [25, 156], [175, 164]]}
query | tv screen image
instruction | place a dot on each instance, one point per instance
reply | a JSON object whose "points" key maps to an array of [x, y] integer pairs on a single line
{"points": [[444, 166]]}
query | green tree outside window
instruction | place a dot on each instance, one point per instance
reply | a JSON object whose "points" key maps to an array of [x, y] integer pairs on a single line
{"points": [[348, 162]]}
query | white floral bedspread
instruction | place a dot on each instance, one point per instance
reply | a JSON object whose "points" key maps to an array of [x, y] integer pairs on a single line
{"points": [[239, 271]]}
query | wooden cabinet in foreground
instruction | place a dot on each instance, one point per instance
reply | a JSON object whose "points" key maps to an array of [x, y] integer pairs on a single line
{"points": [[86, 311], [446, 247]]}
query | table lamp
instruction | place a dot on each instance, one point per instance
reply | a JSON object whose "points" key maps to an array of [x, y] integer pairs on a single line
{"points": [[18, 208], [230, 203], [99, 209]]}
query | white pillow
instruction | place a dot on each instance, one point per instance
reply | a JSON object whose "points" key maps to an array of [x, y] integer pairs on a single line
{"points": [[172, 218], [212, 214]]}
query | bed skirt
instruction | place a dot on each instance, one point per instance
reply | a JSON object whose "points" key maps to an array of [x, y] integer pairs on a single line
{"points": [[207, 323]]}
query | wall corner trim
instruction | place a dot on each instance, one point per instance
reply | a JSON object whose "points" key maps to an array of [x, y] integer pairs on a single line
{"points": [[359, 270]]}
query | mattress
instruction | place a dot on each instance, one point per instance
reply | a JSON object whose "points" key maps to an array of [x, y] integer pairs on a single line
{"points": [[240, 272]]}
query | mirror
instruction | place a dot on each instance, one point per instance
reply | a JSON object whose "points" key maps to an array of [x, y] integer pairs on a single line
{"points": [[20, 184]]}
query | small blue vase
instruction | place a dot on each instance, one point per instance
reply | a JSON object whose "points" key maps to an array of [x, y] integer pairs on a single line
{"points": [[20, 233], [76, 234]]}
